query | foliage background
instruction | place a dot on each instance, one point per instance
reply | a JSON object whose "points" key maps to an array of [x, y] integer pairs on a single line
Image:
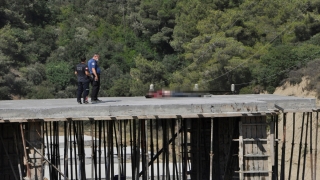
{"points": [[254, 44]]}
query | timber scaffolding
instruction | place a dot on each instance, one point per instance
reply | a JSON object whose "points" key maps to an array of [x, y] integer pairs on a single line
{"points": [[211, 137]]}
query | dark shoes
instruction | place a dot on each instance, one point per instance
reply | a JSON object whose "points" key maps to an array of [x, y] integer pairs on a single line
{"points": [[87, 102], [84, 102], [96, 101]]}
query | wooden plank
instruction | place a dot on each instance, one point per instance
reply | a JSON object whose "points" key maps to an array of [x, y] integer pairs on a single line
{"points": [[265, 146], [262, 150], [271, 148], [254, 161], [248, 148]]}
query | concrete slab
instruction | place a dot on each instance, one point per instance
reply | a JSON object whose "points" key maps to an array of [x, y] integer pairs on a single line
{"points": [[141, 107]]}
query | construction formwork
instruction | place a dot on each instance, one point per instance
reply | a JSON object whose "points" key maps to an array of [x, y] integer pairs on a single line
{"points": [[218, 137]]}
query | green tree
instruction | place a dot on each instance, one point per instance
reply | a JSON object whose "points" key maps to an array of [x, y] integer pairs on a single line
{"points": [[59, 74], [146, 73]]}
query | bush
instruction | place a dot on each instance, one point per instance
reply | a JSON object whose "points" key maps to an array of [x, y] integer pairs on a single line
{"points": [[59, 74]]}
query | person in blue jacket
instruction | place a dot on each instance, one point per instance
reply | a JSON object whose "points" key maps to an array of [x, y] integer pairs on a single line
{"points": [[95, 77]]}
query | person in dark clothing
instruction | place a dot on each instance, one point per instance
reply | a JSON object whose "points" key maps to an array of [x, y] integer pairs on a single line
{"points": [[83, 75], [94, 70]]}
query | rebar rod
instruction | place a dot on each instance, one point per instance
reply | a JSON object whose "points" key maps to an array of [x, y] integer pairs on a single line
{"points": [[305, 146], [282, 175], [292, 144], [100, 128], [316, 148], [311, 156]]}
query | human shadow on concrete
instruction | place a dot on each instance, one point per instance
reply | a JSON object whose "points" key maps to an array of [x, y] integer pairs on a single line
{"points": [[102, 101]]}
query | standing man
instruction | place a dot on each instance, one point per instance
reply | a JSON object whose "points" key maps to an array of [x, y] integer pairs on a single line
{"points": [[95, 74], [83, 74]]}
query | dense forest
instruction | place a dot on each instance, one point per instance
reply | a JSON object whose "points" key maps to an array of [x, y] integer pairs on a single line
{"points": [[174, 44]]}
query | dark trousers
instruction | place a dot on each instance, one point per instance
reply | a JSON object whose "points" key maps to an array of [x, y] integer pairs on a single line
{"points": [[83, 89], [95, 88]]}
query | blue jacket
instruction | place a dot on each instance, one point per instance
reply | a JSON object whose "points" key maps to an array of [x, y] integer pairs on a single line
{"points": [[93, 64]]}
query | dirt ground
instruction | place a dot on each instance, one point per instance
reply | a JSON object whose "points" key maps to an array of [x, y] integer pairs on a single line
{"points": [[299, 91]]}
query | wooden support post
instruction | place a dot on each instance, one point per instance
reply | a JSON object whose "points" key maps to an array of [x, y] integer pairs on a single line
{"points": [[316, 150], [105, 148], [151, 149], [241, 175], [311, 156], [305, 146], [179, 148], [146, 147], [211, 150], [282, 175], [26, 161], [17, 150], [66, 143], [124, 157], [117, 130], [92, 148], [157, 148], [8, 157], [300, 145], [292, 145]]}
